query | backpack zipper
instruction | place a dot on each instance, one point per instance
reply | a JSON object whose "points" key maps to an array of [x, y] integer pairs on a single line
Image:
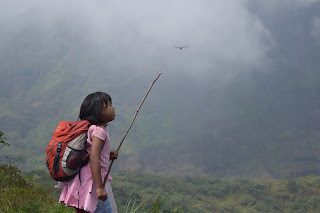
{"points": [[49, 152]]}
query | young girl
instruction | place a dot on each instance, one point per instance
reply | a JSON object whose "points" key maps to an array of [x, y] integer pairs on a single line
{"points": [[87, 193]]}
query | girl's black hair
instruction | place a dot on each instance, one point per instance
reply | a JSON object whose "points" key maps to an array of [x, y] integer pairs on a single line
{"points": [[92, 105]]}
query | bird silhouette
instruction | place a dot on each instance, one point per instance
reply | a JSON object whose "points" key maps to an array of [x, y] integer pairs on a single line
{"points": [[181, 47]]}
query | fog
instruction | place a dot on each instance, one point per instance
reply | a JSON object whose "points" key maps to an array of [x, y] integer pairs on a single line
{"points": [[220, 34], [223, 36], [243, 57]]}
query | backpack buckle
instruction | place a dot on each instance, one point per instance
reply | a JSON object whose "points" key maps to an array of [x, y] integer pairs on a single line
{"points": [[59, 147]]}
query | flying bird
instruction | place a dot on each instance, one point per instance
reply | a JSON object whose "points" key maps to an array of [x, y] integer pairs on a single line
{"points": [[181, 47]]}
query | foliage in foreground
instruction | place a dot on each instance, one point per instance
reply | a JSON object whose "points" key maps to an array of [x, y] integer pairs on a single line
{"points": [[147, 193], [20, 194], [202, 194]]}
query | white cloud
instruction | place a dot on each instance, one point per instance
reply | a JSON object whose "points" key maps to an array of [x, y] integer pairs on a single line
{"points": [[220, 33]]}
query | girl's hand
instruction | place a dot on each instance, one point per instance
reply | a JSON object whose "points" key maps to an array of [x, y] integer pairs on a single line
{"points": [[102, 194], [113, 155]]}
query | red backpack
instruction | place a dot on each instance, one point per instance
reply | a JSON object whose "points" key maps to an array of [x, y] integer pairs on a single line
{"points": [[65, 153]]}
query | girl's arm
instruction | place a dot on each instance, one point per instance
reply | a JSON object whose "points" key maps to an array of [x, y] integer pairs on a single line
{"points": [[96, 147]]}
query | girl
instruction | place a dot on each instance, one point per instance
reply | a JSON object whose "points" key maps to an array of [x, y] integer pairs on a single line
{"points": [[87, 193]]}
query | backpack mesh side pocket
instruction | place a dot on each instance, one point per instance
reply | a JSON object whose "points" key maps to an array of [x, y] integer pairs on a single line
{"points": [[75, 152]]}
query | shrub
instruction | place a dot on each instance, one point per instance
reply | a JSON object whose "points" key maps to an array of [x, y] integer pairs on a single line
{"points": [[19, 194]]}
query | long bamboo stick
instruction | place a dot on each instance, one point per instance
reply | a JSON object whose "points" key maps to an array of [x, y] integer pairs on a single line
{"points": [[134, 117]]}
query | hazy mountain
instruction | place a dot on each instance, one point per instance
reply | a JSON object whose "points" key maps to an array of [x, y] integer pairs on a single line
{"points": [[231, 117]]}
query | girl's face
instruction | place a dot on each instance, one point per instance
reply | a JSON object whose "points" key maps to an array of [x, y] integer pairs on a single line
{"points": [[108, 113]]}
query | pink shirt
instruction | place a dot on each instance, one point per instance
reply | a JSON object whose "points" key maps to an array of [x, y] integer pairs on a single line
{"points": [[85, 192], [100, 132]]}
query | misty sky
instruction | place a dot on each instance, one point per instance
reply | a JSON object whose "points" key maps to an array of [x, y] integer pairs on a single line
{"points": [[223, 36]]}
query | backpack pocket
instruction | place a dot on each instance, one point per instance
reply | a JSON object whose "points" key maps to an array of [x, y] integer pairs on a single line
{"points": [[73, 155], [74, 158]]}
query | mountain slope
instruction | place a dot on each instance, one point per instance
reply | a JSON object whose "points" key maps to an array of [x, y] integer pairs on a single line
{"points": [[261, 122]]}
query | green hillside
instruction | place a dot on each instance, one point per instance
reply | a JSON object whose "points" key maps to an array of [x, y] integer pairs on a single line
{"points": [[190, 194]]}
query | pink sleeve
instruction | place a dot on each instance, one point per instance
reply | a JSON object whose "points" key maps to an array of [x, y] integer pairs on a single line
{"points": [[97, 131]]}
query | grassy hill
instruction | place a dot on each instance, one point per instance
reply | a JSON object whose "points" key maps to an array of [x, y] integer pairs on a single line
{"points": [[21, 194]]}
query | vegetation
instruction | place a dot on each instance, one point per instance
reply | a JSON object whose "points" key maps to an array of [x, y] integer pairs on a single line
{"points": [[148, 193], [21, 194], [204, 194], [2, 140]]}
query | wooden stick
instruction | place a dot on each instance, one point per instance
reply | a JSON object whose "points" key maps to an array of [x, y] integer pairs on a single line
{"points": [[134, 117]]}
